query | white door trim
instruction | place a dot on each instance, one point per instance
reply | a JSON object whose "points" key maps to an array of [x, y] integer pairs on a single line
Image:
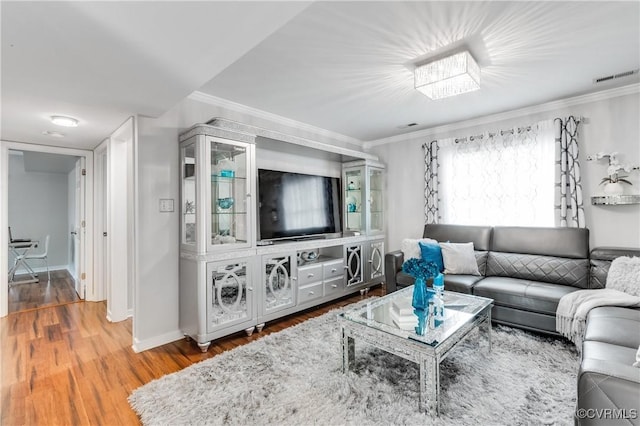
{"points": [[5, 146]]}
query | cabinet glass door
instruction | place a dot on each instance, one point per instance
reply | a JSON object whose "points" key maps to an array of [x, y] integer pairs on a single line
{"points": [[376, 260], [229, 189], [376, 218], [278, 282], [353, 206], [229, 297], [355, 268], [188, 207]]}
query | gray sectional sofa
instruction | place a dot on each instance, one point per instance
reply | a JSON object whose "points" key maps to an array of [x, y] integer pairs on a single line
{"points": [[526, 271]]}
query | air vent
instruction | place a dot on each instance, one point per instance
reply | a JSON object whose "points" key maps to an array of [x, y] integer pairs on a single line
{"points": [[614, 76], [404, 126]]}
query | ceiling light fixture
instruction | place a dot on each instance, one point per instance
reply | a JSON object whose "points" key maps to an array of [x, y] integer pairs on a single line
{"points": [[449, 76], [65, 121]]}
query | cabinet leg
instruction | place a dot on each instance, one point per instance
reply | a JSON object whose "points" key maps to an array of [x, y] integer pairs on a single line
{"points": [[204, 346], [362, 292], [187, 337], [249, 330], [259, 327]]}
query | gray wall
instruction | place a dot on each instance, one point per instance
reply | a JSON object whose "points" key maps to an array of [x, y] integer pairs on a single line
{"points": [[37, 207], [612, 125]]}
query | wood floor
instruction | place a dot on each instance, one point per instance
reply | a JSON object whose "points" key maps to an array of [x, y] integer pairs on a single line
{"points": [[60, 290], [67, 365]]}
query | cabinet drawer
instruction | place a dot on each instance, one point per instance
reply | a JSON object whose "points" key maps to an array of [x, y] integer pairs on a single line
{"points": [[309, 274], [333, 286], [309, 292], [333, 269]]}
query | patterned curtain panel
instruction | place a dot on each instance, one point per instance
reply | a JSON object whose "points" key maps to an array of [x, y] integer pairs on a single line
{"points": [[568, 203], [431, 214]]}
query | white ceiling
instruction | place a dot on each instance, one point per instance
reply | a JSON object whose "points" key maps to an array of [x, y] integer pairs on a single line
{"points": [[340, 66], [102, 62]]}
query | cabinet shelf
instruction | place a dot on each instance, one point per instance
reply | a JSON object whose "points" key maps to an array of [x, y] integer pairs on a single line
{"points": [[614, 200], [226, 179], [227, 213]]}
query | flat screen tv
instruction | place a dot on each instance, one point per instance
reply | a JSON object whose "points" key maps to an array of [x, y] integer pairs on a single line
{"points": [[296, 205]]}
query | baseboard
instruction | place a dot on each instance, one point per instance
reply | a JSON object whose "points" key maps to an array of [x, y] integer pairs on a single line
{"points": [[154, 342], [40, 269]]}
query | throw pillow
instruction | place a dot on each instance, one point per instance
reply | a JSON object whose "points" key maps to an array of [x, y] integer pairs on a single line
{"points": [[432, 253], [411, 249], [459, 258], [624, 275], [637, 363]]}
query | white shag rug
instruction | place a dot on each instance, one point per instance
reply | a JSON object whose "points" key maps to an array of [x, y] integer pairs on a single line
{"points": [[294, 377]]}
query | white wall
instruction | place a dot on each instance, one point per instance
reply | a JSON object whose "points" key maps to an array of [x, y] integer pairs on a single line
{"points": [[157, 156], [37, 208], [612, 125]]}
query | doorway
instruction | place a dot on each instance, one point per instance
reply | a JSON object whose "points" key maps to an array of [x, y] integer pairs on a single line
{"points": [[46, 204], [44, 193]]}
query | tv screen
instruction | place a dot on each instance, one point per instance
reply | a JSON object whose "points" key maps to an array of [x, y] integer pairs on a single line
{"points": [[295, 205]]}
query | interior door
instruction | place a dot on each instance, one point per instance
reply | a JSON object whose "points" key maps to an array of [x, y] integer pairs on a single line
{"points": [[79, 232]]}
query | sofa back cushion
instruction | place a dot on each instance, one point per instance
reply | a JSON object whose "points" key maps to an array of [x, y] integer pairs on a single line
{"points": [[550, 269], [572, 243], [480, 236], [601, 258]]}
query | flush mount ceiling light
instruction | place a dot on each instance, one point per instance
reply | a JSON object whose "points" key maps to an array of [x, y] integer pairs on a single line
{"points": [[65, 121], [448, 76]]}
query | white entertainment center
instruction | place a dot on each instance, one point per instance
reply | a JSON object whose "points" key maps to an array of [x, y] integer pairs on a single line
{"points": [[230, 278]]}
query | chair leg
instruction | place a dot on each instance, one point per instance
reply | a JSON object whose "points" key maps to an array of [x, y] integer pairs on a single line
{"points": [[46, 261]]}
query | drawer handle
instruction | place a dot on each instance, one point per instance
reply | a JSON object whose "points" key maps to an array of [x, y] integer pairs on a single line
{"points": [[294, 278], [311, 293], [309, 275], [334, 285], [334, 270]]}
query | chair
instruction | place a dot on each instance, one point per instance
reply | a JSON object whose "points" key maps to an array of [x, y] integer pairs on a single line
{"points": [[42, 256]]}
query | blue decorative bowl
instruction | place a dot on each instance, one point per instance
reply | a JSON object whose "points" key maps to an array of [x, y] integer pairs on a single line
{"points": [[225, 203], [227, 173]]}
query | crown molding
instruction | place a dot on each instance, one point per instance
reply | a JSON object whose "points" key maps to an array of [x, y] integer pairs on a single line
{"points": [[234, 106], [488, 119]]}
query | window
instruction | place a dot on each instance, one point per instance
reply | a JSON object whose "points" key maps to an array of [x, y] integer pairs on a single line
{"points": [[502, 179]]}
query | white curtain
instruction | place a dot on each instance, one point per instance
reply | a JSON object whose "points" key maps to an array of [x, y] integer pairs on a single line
{"points": [[504, 178]]}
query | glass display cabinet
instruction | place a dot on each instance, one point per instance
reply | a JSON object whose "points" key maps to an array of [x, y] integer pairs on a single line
{"points": [[363, 186], [217, 183]]}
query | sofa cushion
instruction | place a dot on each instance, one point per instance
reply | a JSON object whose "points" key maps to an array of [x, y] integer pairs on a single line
{"points": [[411, 249], [431, 252], [459, 258], [480, 236], [461, 283], [522, 294], [556, 270], [403, 279], [561, 242], [614, 325], [608, 352]]}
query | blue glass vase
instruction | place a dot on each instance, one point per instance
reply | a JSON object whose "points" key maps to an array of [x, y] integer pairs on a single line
{"points": [[420, 298]]}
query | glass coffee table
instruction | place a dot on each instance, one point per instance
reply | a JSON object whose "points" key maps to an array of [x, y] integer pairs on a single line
{"points": [[388, 323]]}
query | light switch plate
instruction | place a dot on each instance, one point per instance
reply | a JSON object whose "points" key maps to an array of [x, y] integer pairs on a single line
{"points": [[166, 205]]}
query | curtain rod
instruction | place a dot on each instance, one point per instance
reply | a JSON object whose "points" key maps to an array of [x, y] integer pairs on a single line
{"points": [[519, 130]]}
